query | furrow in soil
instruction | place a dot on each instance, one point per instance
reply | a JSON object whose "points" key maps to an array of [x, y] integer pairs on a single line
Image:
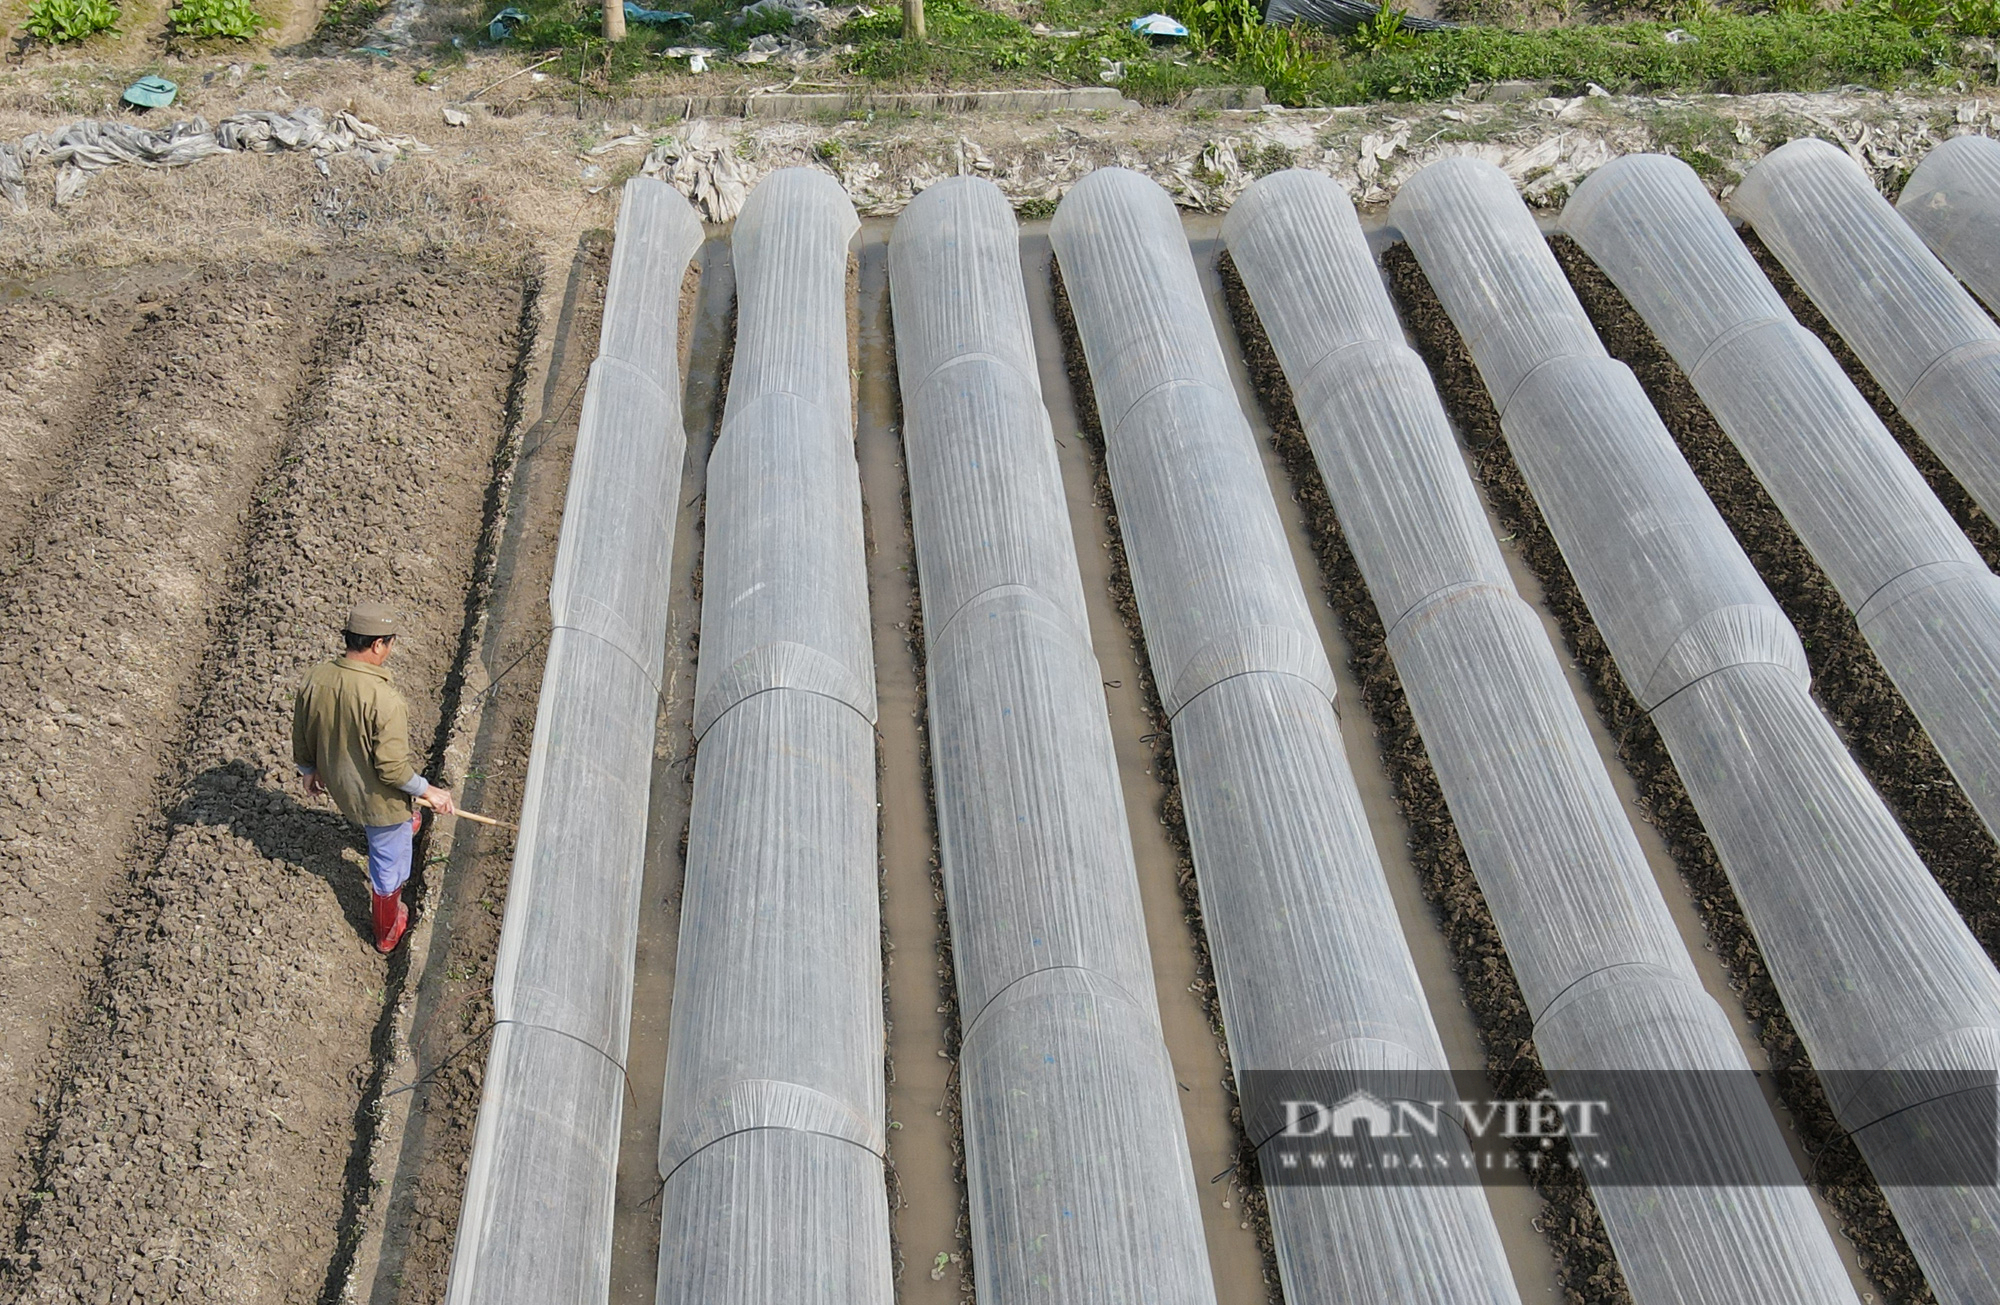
{"points": [[213, 1111], [111, 590], [707, 341], [929, 1211]]}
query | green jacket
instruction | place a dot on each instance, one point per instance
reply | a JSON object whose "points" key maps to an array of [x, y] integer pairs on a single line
{"points": [[351, 725]]}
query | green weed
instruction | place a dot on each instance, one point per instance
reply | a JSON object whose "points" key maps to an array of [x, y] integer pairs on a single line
{"points": [[1975, 17], [62, 21], [1382, 33], [1272, 158]]}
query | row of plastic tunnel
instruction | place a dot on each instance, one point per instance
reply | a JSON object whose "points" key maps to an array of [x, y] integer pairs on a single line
{"points": [[772, 1140]]}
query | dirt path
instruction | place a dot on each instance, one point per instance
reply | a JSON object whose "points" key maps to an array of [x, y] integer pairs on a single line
{"points": [[209, 1112], [117, 572], [929, 1214]]}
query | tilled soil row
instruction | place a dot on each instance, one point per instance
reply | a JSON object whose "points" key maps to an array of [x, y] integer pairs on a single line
{"points": [[56, 358], [1839, 1175], [450, 1037], [1248, 1178], [1878, 727], [1589, 1269], [206, 1133], [113, 585]]}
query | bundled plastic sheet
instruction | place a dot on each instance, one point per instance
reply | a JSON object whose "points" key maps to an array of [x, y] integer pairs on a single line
{"points": [[1914, 326], [1929, 608], [1953, 200], [1877, 971], [771, 1126], [1309, 956], [1075, 1153], [1600, 963], [536, 1222]]}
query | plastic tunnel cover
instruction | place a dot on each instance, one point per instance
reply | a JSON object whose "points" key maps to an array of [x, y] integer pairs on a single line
{"points": [[771, 1127], [1075, 1152], [1953, 201], [1919, 333], [1683, 612], [535, 1225], [1309, 955], [1875, 965]]}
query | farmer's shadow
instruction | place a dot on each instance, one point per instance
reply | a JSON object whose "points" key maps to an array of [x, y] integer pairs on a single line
{"points": [[283, 828]]}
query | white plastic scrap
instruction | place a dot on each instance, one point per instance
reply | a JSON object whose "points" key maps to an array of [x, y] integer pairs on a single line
{"points": [[704, 166], [89, 146]]}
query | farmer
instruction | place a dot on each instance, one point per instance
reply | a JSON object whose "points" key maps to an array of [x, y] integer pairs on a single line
{"points": [[351, 740]]}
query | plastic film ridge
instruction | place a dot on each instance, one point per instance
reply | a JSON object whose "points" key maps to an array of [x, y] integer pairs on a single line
{"points": [[1874, 963], [771, 1126], [1076, 1155], [1684, 614], [535, 1225], [784, 601], [1308, 951], [1953, 201], [1912, 324], [1923, 598]]}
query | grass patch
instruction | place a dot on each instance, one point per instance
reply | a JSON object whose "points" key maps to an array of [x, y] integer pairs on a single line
{"points": [[1727, 52], [574, 28], [1882, 43], [1792, 46]]}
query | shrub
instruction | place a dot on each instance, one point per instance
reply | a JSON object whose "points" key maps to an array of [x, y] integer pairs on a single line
{"points": [[1976, 17], [58, 21], [211, 19]]}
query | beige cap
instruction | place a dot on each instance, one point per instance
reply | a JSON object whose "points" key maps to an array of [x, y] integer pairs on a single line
{"points": [[371, 619]]}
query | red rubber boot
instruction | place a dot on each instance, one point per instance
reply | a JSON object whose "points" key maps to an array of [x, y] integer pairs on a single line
{"points": [[391, 919]]}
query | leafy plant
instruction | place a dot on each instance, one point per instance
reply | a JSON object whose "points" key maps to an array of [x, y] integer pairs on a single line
{"points": [[202, 20], [61, 21], [1226, 25], [1382, 32]]}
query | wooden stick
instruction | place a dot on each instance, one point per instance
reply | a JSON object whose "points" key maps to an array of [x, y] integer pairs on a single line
{"points": [[512, 75], [463, 814]]}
